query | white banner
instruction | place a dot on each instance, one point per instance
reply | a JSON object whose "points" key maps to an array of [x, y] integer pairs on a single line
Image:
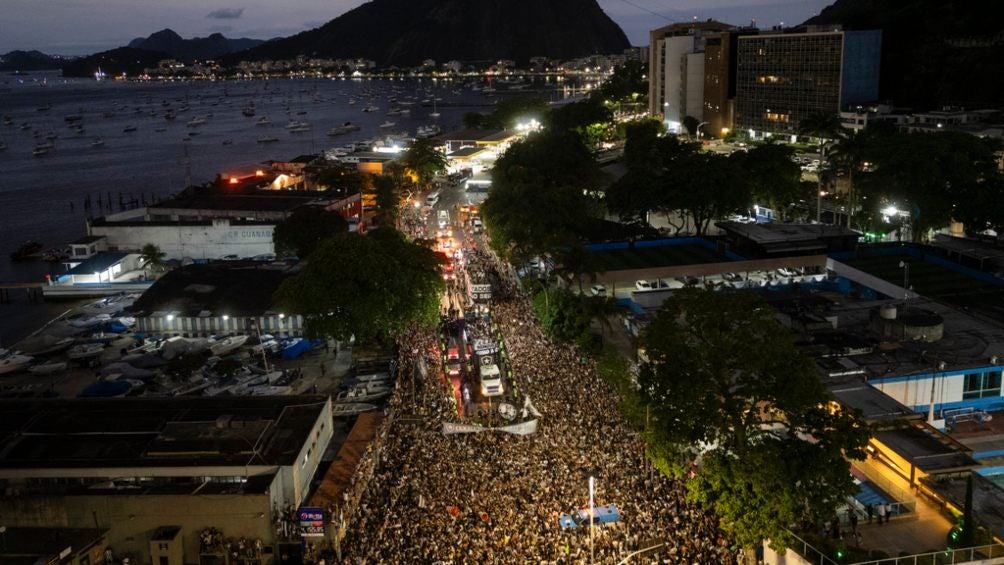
{"points": [[520, 429], [450, 428]]}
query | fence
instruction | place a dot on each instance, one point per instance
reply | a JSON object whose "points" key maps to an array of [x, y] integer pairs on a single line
{"points": [[992, 553], [904, 501]]}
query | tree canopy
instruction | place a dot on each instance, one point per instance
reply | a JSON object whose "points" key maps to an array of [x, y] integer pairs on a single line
{"points": [[371, 287], [725, 377], [549, 170], [423, 160], [305, 229]]}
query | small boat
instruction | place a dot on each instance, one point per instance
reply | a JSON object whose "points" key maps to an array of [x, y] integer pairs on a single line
{"points": [[26, 251], [85, 351], [39, 151], [170, 115], [227, 345], [3, 145], [13, 363], [370, 109], [347, 127], [249, 111], [44, 345], [373, 377], [360, 394], [129, 129], [194, 122], [50, 368], [263, 121], [387, 124], [267, 138], [83, 320], [98, 142], [110, 305], [351, 408]]}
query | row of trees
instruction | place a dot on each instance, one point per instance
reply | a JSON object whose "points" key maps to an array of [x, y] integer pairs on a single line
{"points": [[936, 176], [693, 187]]}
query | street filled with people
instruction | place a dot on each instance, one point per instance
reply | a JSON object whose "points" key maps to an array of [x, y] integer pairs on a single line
{"points": [[493, 497]]}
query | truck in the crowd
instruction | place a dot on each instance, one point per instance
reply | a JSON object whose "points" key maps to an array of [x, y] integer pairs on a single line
{"points": [[490, 376]]}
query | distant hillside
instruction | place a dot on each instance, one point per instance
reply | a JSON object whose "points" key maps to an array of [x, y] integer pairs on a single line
{"points": [[167, 41], [934, 52], [115, 62], [29, 61], [405, 32]]}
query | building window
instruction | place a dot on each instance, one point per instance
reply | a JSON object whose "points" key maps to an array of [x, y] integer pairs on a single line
{"points": [[982, 385]]}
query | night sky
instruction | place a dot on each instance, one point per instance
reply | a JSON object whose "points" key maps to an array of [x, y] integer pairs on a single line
{"points": [[79, 27]]}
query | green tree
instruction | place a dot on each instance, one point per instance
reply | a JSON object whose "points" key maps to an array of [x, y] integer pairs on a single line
{"points": [[590, 119], [151, 257], [575, 263], [341, 179], [775, 179], [388, 199], [725, 375], [549, 170], [305, 229], [627, 85], [423, 160], [706, 187], [823, 127], [690, 123], [371, 287]]}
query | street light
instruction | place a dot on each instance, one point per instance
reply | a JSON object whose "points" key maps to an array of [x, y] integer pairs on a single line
{"points": [[697, 130], [906, 281], [592, 522]]}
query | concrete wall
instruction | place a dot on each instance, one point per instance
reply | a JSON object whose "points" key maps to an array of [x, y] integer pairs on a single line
{"points": [[132, 519], [694, 93], [198, 242], [296, 477]]}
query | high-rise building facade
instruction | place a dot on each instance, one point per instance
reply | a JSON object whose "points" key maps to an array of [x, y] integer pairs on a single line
{"points": [[676, 71], [720, 79], [783, 78]]}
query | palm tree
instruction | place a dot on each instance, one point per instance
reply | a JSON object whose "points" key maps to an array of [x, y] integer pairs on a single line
{"points": [[151, 257], [824, 127], [849, 155]]}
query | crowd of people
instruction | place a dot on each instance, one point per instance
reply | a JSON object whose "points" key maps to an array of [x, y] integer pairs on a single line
{"points": [[496, 498]]}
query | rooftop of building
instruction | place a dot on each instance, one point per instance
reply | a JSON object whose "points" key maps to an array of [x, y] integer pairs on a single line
{"points": [[926, 448], [777, 233], [848, 344], [140, 221], [686, 28], [155, 432], [988, 499], [465, 135], [98, 263], [466, 152], [234, 288], [212, 198], [31, 546], [87, 240]]}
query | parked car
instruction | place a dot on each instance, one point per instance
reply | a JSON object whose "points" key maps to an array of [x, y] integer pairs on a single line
{"points": [[786, 272], [732, 277], [598, 290]]}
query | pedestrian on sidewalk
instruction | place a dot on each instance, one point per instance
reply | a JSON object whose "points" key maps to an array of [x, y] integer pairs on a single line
{"points": [[888, 512], [852, 517], [870, 510], [881, 513]]}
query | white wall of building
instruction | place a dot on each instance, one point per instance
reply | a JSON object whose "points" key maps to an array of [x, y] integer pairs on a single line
{"points": [[196, 241], [680, 53], [949, 390]]}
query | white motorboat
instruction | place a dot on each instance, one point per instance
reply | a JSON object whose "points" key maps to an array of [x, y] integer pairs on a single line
{"points": [[44, 344], [296, 124], [85, 350], [85, 320], [227, 345], [360, 394], [347, 127], [195, 122], [14, 363], [387, 124], [110, 305], [370, 108], [373, 377], [351, 408], [267, 138], [50, 368], [263, 121]]}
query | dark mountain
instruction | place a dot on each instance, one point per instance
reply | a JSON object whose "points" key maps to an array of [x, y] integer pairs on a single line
{"points": [[405, 32], [29, 61], [167, 41], [934, 52], [114, 62]]}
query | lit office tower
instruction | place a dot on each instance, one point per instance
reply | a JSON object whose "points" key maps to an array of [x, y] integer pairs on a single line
{"points": [[783, 78]]}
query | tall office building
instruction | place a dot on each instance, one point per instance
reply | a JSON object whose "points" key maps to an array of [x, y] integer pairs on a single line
{"points": [[676, 71], [720, 79], [783, 78]]}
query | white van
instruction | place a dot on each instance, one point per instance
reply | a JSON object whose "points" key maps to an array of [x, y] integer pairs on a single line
{"points": [[432, 199]]}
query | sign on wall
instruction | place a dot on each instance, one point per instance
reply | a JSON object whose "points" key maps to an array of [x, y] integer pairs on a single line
{"points": [[311, 521]]}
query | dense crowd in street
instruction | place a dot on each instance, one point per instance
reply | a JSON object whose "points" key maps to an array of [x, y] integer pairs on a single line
{"points": [[496, 498]]}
